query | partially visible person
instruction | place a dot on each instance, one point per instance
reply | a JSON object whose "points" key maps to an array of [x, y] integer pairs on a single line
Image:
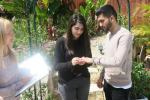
{"points": [[1, 98], [117, 58], [10, 78], [74, 77]]}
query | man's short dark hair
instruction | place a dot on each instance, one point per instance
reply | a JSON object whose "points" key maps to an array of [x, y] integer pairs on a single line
{"points": [[107, 11]]}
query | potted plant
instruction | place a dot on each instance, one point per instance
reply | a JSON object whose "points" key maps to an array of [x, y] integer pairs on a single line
{"points": [[140, 82]]}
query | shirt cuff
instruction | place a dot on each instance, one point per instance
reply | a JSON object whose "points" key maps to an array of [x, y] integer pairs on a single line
{"points": [[96, 61]]}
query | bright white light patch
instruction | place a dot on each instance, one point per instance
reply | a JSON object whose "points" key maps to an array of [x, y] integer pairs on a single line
{"points": [[34, 67]]}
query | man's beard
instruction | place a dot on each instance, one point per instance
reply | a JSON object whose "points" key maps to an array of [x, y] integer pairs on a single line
{"points": [[107, 28]]}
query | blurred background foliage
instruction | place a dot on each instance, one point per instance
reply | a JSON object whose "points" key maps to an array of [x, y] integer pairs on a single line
{"points": [[141, 30], [34, 20]]}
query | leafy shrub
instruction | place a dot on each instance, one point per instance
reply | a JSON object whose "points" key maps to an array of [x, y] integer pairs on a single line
{"points": [[140, 81]]}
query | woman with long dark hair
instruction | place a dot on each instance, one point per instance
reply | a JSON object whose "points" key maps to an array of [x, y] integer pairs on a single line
{"points": [[74, 77]]}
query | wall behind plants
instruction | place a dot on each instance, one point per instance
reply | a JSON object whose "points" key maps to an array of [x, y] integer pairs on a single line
{"points": [[135, 11]]}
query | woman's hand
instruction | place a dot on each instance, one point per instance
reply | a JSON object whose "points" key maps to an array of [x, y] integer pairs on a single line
{"points": [[81, 61], [75, 61], [78, 61]]}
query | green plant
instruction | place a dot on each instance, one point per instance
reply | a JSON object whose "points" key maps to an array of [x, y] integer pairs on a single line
{"points": [[140, 81], [62, 24], [16, 7], [90, 6], [88, 11], [27, 95], [21, 34]]}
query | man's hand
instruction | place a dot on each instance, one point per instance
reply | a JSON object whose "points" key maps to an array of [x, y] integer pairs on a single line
{"points": [[87, 60], [99, 83]]}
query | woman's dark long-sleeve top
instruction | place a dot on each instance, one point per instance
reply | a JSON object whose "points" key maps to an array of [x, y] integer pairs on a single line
{"points": [[63, 65]]}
